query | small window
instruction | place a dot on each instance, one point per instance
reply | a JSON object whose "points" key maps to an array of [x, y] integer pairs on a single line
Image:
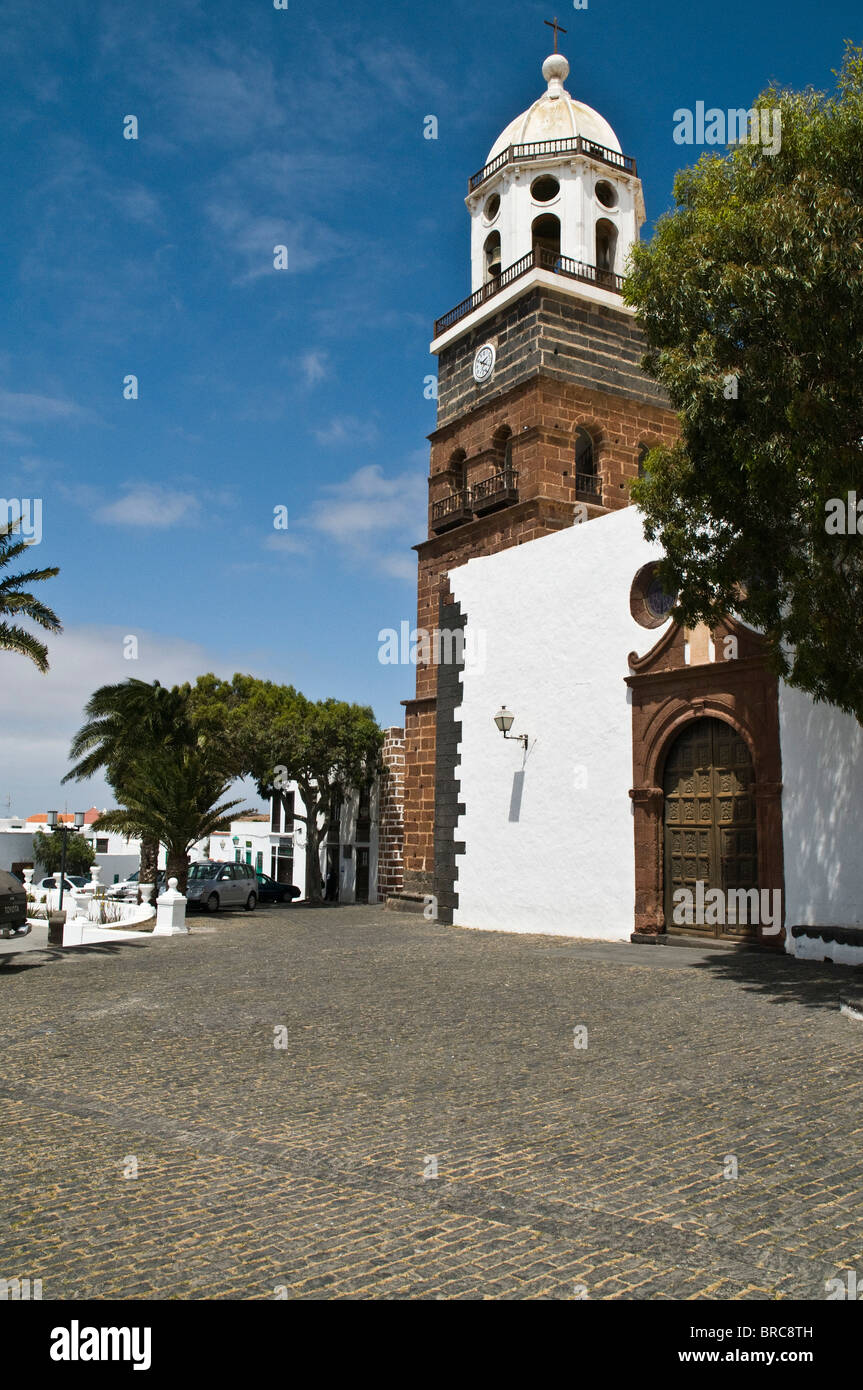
{"points": [[606, 246], [585, 459], [546, 238], [491, 252], [492, 208], [101, 846], [544, 189], [643, 451], [606, 193]]}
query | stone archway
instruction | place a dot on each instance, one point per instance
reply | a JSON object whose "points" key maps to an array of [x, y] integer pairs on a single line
{"points": [[669, 693]]}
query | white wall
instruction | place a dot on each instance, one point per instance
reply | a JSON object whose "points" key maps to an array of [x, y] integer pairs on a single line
{"points": [[822, 776], [544, 853]]}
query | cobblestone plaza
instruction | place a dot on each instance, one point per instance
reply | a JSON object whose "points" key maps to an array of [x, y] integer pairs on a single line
{"points": [[287, 1085]]}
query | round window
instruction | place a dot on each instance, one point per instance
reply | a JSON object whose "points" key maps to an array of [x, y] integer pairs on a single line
{"points": [[543, 189], [492, 208], [650, 603], [606, 193]]}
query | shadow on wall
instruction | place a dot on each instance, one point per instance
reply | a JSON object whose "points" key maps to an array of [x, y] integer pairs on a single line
{"points": [[515, 798], [822, 759]]}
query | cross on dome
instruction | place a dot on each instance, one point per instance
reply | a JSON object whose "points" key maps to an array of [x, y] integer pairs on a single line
{"points": [[553, 24]]}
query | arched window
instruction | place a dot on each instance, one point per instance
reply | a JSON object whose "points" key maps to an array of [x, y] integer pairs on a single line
{"points": [[502, 445], [491, 252], [643, 451], [457, 469], [545, 234], [585, 458], [606, 245]]}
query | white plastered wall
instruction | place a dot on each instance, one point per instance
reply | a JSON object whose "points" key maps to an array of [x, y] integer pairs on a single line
{"points": [[548, 836], [822, 816]]}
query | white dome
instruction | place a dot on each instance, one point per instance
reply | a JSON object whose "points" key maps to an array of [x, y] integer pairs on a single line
{"points": [[555, 116]]}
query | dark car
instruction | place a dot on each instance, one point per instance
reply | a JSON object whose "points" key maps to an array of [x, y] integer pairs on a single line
{"points": [[270, 891], [13, 906]]}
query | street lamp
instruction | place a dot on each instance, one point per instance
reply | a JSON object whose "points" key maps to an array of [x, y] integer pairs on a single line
{"points": [[53, 819], [503, 719]]}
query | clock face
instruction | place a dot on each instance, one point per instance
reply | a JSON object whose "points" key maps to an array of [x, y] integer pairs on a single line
{"points": [[483, 362]]}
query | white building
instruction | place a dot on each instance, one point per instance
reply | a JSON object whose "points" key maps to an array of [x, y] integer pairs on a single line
{"points": [[590, 828], [274, 843]]}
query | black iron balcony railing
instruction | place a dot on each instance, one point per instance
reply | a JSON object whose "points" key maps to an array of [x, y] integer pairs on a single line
{"points": [[451, 511], [588, 487], [497, 491], [552, 149], [541, 259]]}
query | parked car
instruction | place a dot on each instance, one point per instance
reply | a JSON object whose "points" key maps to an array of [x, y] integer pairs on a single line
{"points": [[271, 891], [212, 885], [69, 882], [127, 888], [13, 906]]}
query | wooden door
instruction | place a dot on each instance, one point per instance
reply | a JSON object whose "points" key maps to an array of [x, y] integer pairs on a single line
{"points": [[709, 820]]}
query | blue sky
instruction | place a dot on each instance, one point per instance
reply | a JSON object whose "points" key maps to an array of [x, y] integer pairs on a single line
{"points": [[259, 388]]}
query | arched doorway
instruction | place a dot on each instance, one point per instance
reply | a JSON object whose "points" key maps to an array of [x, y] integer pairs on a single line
{"points": [[709, 826]]}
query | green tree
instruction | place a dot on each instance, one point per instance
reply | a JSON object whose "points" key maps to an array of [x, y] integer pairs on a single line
{"points": [[123, 723], [48, 851], [751, 298], [174, 797], [276, 735], [16, 601]]}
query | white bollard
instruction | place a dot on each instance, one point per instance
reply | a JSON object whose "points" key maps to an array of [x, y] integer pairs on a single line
{"points": [[95, 870], [171, 912]]}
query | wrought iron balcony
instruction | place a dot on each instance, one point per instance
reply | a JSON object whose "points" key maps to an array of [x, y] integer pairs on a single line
{"points": [[540, 259], [498, 491], [553, 149], [451, 511], [588, 487]]}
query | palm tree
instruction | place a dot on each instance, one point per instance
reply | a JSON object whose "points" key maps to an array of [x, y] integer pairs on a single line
{"points": [[175, 799], [124, 723], [15, 601]]}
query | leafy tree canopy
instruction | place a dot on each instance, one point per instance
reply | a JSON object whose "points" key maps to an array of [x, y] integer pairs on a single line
{"points": [[751, 298], [275, 735], [48, 850]]}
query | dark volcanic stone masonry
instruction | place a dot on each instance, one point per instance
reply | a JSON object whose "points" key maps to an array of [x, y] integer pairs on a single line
{"points": [[599, 346], [560, 1170]]}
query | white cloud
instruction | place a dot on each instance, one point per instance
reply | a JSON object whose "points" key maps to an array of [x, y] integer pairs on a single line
{"points": [[252, 238], [22, 406], [149, 506], [314, 366], [40, 713], [374, 519], [291, 545], [347, 429]]}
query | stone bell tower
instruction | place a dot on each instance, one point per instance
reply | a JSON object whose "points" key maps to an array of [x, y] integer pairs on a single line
{"points": [[543, 412]]}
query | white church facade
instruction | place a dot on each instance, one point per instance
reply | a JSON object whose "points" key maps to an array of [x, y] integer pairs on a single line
{"points": [[549, 833], [588, 766]]}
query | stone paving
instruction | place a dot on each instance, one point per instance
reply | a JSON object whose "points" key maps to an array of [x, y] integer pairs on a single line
{"points": [[306, 1170]]}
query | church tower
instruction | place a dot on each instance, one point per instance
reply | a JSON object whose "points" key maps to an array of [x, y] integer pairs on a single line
{"points": [[543, 412]]}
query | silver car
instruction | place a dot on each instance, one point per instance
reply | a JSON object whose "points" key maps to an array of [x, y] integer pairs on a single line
{"points": [[213, 885]]}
